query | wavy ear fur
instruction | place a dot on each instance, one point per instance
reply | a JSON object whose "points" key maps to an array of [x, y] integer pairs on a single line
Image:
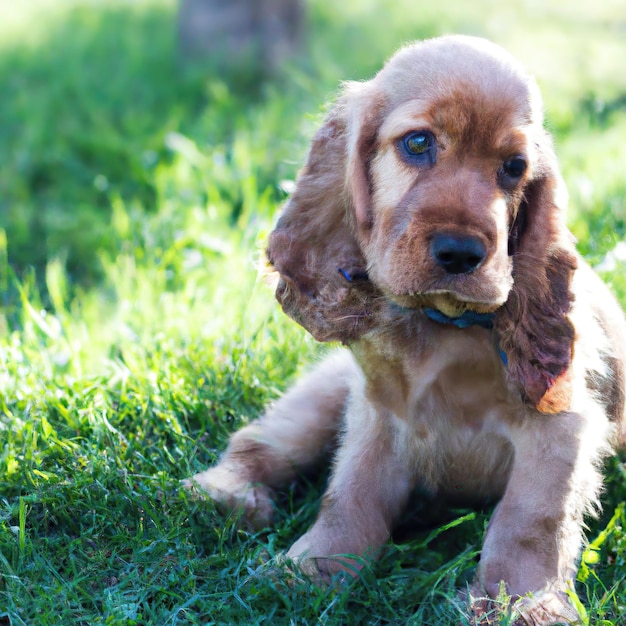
{"points": [[314, 248], [533, 327]]}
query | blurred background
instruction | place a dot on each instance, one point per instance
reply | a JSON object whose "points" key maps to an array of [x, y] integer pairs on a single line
{"points": [[112, 110]]}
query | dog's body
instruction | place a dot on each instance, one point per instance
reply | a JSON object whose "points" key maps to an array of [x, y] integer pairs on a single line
{"points": [[486, 358]]}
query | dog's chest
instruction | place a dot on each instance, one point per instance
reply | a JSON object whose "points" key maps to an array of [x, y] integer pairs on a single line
{"points": [[450, 406]]}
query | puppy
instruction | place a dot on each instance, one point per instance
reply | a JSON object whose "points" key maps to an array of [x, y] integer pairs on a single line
{"points": [[485, 358]]}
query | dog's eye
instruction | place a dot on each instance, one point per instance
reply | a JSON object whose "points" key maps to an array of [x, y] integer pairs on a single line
{"points": [[513, 169], [418, 147], [418, 143]]}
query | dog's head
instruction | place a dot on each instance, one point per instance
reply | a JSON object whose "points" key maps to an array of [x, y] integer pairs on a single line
{"points": [[435, 185]]}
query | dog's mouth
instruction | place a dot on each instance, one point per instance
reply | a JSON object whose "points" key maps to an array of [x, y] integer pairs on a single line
{"points": [[444, 301]]}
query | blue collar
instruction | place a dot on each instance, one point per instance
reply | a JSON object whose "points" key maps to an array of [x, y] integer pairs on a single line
{"points": [[469, 318]]}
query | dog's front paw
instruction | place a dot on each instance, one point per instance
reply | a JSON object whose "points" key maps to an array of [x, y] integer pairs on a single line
{"points": [[322, 571], [253, 502], [323, 564], [545, 609]]}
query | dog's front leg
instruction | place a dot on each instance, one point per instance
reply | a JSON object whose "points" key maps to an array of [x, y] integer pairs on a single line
{"points": [[369, 487], [534, 537]]}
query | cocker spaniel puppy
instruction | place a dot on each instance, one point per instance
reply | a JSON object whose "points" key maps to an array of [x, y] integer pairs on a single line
{"points": [[485, 358]]}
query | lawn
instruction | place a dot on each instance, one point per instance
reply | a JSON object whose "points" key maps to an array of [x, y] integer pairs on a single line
{"points": [[136, 332]]}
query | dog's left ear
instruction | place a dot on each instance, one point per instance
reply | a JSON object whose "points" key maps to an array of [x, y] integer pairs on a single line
{"points": [[533, 327]]}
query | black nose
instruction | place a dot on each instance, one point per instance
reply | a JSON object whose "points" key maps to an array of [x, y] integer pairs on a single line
{"points": [[456, 254]]}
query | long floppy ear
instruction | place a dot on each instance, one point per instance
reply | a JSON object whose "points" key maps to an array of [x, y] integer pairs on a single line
{"points": [[314, 248], [533, 327]]}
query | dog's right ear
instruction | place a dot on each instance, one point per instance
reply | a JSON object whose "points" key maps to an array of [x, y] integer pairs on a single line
{"points": [[315, 249], [533, 327]]}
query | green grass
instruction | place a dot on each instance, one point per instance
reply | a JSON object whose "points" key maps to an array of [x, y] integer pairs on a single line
{"points": [[136, 333]]}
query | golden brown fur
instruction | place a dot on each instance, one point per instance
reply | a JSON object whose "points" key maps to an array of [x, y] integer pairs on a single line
{"points": [[361, 250]]}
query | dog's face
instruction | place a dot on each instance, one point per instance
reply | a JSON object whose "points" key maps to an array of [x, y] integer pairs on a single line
{"points": [[448, 157], [435, 185]]}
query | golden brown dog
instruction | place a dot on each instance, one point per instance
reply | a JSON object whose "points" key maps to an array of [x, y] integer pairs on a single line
{"points": [[486, 359]]}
